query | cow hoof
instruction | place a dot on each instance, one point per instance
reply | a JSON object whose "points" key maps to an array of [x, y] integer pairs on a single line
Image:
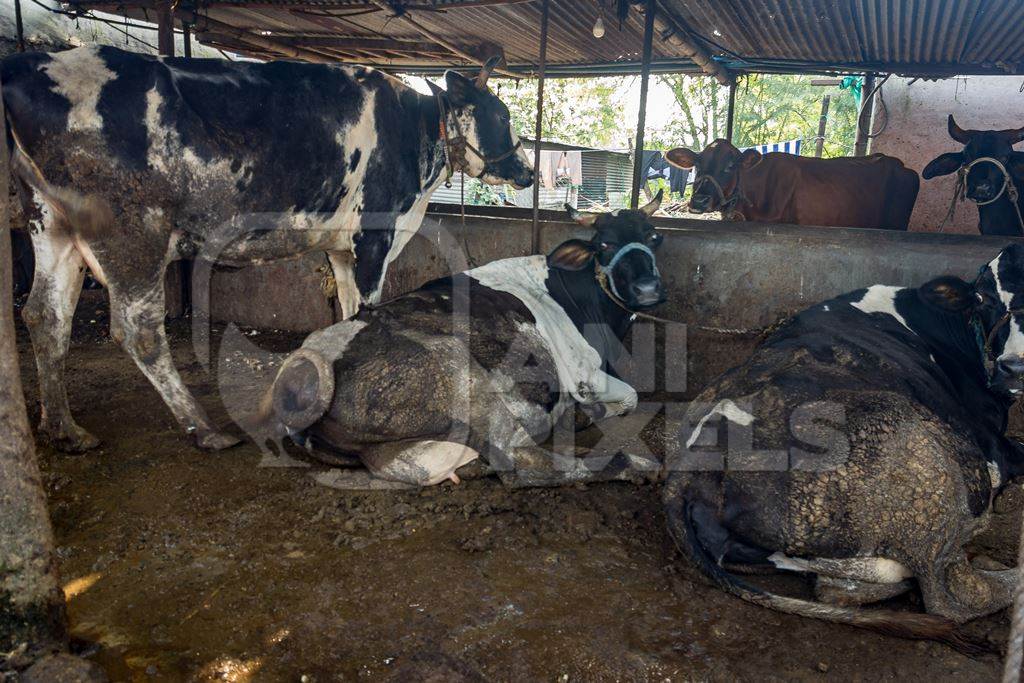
{"points": [[216, 441], [75, 440]]}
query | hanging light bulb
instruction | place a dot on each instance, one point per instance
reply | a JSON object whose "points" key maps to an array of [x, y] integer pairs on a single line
{"points": [[599, 24]]}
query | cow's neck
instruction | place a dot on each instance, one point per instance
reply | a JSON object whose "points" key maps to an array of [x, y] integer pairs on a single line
{"points": [[599, 319], [954, 346], [432, 167], [1000, 217]]}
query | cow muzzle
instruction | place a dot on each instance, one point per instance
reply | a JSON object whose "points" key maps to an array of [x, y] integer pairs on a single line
{"points": [[646, 292], [1008, 375]]}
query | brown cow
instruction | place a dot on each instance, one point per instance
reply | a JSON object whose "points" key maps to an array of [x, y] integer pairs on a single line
{"points": [[877, 191]]}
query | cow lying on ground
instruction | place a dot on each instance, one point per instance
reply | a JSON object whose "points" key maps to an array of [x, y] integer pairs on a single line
{"points": [[994, 175], [128, 162], [877, 448], [856, 192], [480, 364]]}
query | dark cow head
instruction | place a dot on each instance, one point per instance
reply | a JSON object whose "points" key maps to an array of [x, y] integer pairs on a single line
{"points": [[985, 180], [995, 302], [622, 251], [481, 141], [717, 172]]}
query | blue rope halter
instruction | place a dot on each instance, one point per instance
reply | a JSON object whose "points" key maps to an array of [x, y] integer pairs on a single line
{"points": [[607, 270]]}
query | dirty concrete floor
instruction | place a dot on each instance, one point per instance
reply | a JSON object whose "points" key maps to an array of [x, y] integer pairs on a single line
{"points": [[184, 565]]}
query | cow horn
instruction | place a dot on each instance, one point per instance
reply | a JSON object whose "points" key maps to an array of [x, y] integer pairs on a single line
{"points": [[485, 71], [580, 217], [1015, 135], [654, 204], [956, 132]]}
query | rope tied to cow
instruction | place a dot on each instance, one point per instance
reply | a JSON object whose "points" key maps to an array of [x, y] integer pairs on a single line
{"points": [[960, 190], [760, 332]]}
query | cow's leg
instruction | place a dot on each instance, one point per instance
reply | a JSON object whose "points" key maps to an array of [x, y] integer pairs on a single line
{"points": [[137, 321], [404, 464], [48, 315], [343, 268], [960, 592], [534, 466]]}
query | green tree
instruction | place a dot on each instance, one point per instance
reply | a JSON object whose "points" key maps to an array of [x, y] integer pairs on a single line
{"points": [[769, 108], [580, 111]]}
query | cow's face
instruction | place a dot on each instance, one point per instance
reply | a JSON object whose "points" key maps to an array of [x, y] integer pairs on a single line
{"points": [[984, 180], [621, 250], [995, 303], [716, 172], [493, 152]]}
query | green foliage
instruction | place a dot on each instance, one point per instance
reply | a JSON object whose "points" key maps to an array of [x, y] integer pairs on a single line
{"points": [[480, 193], [769, 108], [580, 111]]}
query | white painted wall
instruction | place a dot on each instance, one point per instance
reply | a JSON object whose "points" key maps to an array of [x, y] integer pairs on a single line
{"points": [[916, 133]]}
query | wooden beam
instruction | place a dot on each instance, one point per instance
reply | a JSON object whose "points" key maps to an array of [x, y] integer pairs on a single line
{"points": [[32, 612], [819, 142], [730, 114], [672, 30], [400, 13], [165, 28], [538, 127], [371, 44], [203, 24], [186, 37], [865, 117], [19, 26], [650, 12]]}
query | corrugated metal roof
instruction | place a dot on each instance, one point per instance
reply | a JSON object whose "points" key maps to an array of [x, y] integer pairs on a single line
{"points": [[918, 37]]}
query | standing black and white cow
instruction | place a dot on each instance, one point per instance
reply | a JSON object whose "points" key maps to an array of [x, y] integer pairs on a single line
{"points": [[128, 162], [479, 364], [863, 443]]}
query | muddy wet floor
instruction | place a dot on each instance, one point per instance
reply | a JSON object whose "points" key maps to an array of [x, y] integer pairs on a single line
{"points": [[183, 565]]}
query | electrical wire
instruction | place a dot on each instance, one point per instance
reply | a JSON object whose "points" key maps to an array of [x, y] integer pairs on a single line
{"points": [[119, 26]]}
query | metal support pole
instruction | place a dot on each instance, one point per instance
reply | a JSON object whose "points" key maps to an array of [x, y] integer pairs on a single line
{"points": [[865, 117], [819, 143], [730, 115], [641, 119], [538, 128], [186, 37], [19, 27], [165, 28]]}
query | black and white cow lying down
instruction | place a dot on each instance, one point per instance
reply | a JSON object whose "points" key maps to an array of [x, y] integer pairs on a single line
{"points": [[128, 162], [877, 448], [480, 364]]}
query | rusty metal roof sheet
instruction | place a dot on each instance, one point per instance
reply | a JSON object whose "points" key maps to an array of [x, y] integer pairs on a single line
{"points": [[915, 37]]}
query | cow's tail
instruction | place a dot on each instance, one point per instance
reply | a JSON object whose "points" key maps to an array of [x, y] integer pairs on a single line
{"points": [[87, 215], [901, 624]]}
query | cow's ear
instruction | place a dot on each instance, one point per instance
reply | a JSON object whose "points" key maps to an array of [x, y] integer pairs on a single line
{"points": [[460, 89], [749, 158], [681, 157], [949, 293], [944, 164], [571, 255], [435, 89]]}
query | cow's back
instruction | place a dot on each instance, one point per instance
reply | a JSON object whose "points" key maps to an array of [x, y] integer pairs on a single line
{"points": [[273, 130], [876, 191]]}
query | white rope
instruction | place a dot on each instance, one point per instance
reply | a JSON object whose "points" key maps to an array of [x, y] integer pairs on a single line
{"points": [[1008, 187]]}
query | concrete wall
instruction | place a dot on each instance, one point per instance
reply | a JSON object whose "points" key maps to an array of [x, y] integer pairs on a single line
{"points": [[916, 133], [741, 276]]}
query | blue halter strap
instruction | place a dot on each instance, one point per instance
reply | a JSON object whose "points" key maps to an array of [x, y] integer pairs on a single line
{"points": [[632, 246]]}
